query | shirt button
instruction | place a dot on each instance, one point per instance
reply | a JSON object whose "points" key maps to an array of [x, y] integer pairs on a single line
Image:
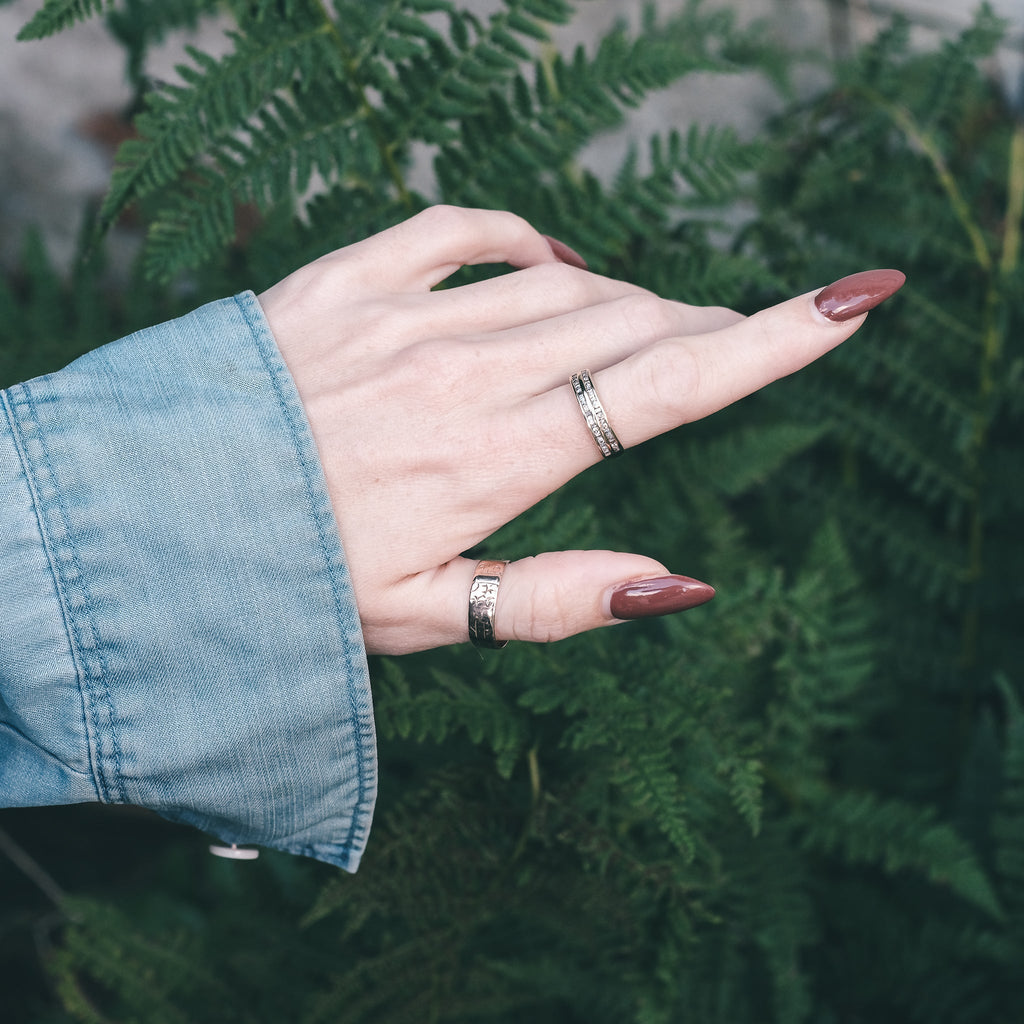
{"points": [[234, 852]]}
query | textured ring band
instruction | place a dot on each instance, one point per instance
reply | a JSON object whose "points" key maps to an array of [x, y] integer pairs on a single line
{"points": [[598, 410], [588, 414], [483, 598], [593, 412]]}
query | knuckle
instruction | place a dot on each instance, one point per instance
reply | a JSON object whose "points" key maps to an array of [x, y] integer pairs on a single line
{"points": [[533, 618], [648, 317], [541, 614], [444, 218], [377, 322], [671, 379], [432, 369], [725, 314], [441, 216], [561, 283]]}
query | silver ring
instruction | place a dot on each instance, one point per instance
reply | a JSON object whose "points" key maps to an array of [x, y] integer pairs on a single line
{"points": [[594, 414], [483, 599]]}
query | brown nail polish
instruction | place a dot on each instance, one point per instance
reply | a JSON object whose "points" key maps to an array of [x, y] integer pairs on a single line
{"points": [[660, 596], [856, 294], [565, 254]]}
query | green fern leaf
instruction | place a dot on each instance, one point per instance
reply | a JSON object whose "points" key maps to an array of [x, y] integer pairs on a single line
{"points": [[862, 828], [218, 97], [745, 459], [745, 779], [56, 15]]}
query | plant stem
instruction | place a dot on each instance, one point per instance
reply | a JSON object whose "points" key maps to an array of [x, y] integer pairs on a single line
{"points": [[993, 340], [369, 111], [930, 147], [1014, 204], [21, 860]]}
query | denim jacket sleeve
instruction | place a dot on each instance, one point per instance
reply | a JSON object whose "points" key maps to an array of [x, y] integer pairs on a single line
{"points": [[177, 626]]}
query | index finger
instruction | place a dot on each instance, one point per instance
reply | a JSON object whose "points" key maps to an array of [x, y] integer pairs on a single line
{"points": [[681, 379]]}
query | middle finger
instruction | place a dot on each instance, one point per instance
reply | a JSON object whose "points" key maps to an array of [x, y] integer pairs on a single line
{"points": [[539, 294], [540, 355]]}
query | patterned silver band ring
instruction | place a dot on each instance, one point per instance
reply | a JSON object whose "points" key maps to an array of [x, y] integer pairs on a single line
{"points": [[599, 413], [594, 414], [483, 599]]}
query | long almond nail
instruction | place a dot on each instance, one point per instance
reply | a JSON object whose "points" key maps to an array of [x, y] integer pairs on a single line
{"points": [[659, 596], [565, 254], [856, 294]]}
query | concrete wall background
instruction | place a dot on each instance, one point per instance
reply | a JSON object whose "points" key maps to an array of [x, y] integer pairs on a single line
{"points": [[55, 94]]}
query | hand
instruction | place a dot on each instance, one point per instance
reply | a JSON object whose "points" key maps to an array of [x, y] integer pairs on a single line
{"points": [[441, 415]]}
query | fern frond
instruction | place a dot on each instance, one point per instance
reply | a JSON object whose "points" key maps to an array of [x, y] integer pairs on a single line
{"points": [[709, 160], [436, 712], [400, 80], [913, 551], [829, 660], [781, 919], [56, 15], [443, 82], [923, 466], [647, 779], [917, 387], [48, 319], [180, 123], [139, 25], [745, 459], [861, 828], [547, 121], [950, 88], [148, 973], [745, 779]]}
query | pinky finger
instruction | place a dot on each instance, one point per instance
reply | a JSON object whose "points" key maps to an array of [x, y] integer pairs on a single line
{"points": [[419, 253]]}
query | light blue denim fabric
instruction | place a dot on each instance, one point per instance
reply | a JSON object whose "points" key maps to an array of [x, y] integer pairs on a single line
{"points": [[177, 626]]}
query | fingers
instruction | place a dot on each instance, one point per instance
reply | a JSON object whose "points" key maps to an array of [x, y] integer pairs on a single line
{"points": [[566, 313], [600, 335], [529, 296], [380, 291], [684, 378], [421, 252]]}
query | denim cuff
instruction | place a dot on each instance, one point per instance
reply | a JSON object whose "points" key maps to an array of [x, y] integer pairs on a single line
{"points": [[179, 626]]}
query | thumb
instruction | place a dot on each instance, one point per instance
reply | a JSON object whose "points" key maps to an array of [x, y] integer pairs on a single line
{"points": [[560, 593]]}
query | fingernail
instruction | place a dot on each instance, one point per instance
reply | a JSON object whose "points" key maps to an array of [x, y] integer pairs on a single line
{"points": [[565, 254], [659, 596], [856, 294]]}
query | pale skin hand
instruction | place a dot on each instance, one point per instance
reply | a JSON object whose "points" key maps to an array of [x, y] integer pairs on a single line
{"points": [[441, 415]]}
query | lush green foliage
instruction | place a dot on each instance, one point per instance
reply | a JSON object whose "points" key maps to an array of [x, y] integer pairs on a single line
{"points": [[915, 161], [803, 802]]}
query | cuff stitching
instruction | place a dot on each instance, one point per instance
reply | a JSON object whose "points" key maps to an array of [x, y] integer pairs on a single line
{"points": [[72, 592]]}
